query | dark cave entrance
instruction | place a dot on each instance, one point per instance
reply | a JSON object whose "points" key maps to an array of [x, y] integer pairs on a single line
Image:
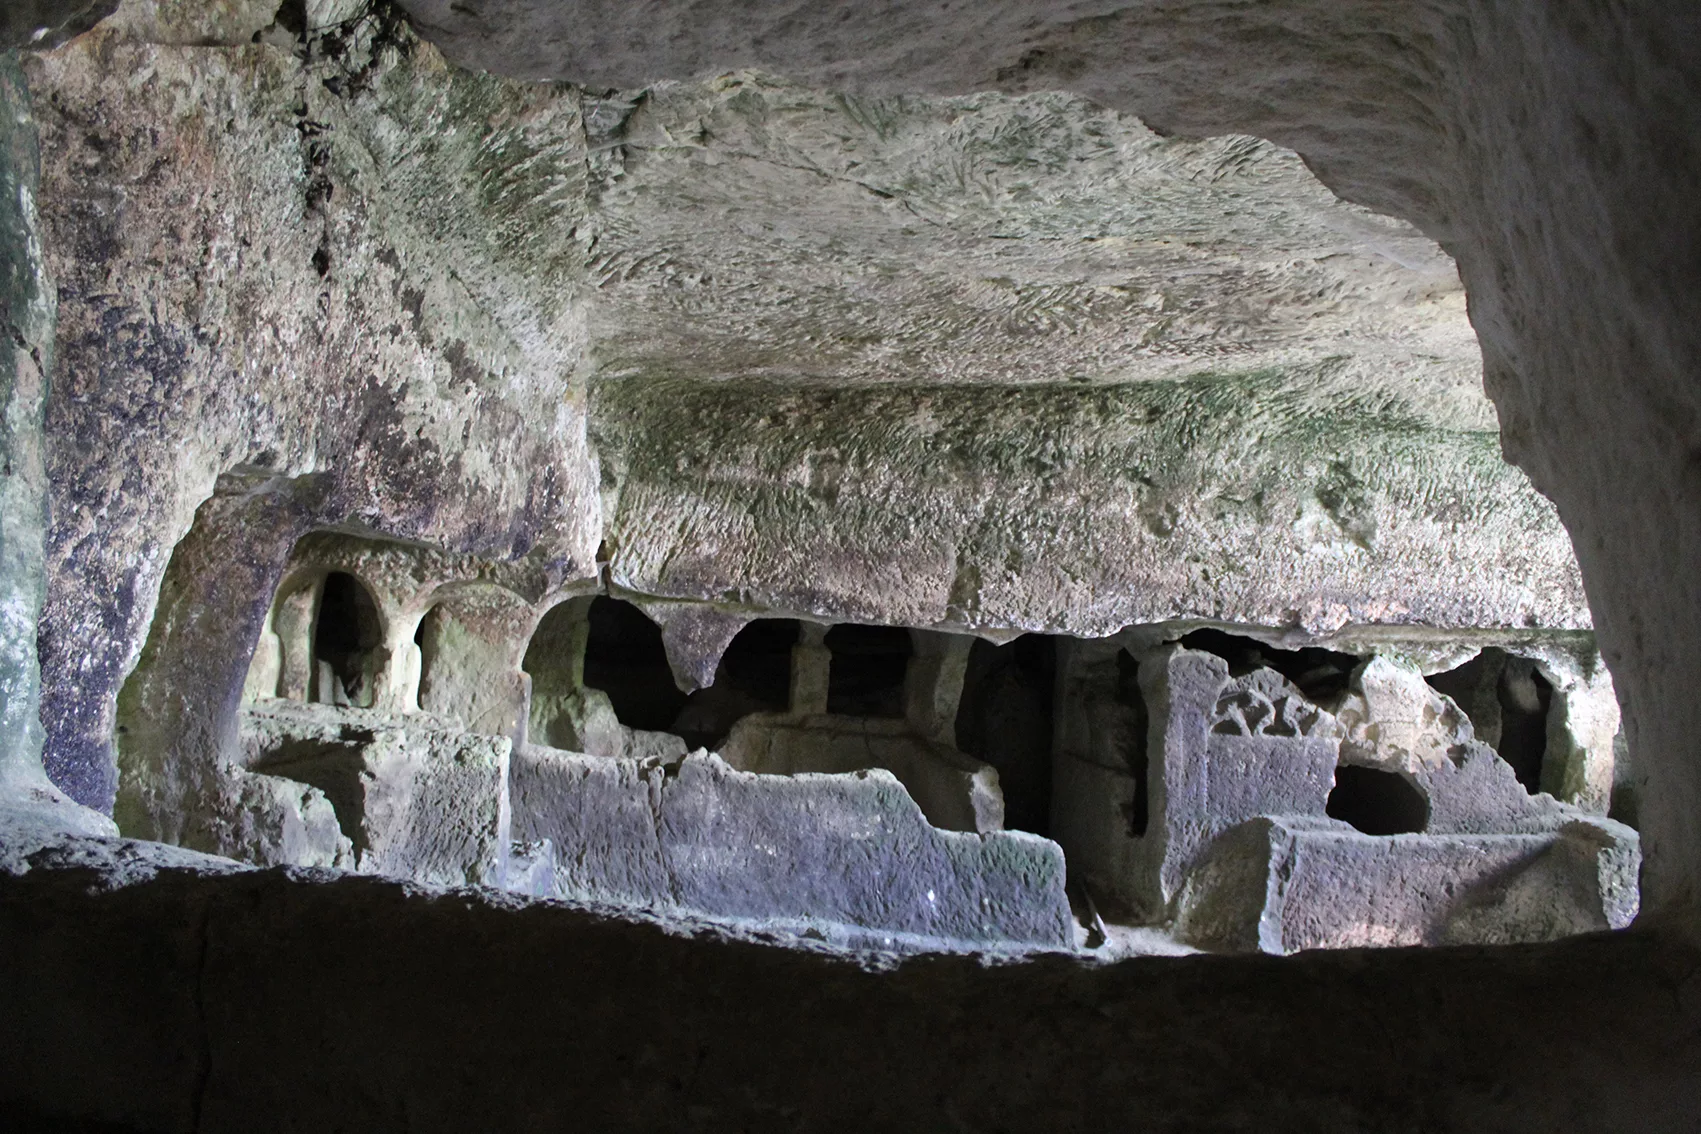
{"points": [[348, 639]]}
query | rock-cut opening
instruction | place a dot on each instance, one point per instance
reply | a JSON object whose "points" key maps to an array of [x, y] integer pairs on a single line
{"points": [[753, 676], [348, 636], [1005, 719], [868, 668], [1377, 802], [1507, 699], [625, 659], [1321, 674]]}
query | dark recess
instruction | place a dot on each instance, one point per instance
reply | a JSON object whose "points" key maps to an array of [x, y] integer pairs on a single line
{"points": [[1005, 719], [867, 674], [1318, 673], [754, 676], [1377, 802], [1507, 699], [427, 643], [347, 630], [625, 658], [1139, 734]]}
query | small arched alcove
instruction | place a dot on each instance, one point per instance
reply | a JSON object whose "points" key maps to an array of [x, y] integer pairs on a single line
{"points": [[348, 643], [866, 678], [468, 642], [428, 641], [753, 676], [555, 663], [625, 659], [1376, 802]]}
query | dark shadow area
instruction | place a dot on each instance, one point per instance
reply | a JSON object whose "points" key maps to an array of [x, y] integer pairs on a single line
{"points": [[235, 1037], [1625, 802], [867, 674], [1507, 699], [334, 767], [1004, 718], [625, 658], [1139, 738], [1318, 673], [346, 637], [1377, 802], [753, 676], [428, 650]]}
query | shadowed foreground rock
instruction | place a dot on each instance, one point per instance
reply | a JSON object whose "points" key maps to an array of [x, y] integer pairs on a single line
{"points": [[270, 1000]]}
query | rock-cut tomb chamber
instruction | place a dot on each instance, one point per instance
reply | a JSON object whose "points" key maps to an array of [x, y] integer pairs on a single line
{"points": [[781, 502]]}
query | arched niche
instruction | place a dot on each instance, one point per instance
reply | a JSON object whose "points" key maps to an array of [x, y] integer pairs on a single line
{"points": [[1377, 802], [1004, 718], [324, 642], [1508, 699], [600, 680], [754, 675], [348, 643], [469, 642]]}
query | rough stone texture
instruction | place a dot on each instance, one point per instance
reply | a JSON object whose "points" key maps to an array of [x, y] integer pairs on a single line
{"points": [[177, 714], [1543, 147], [1547, 147], [1580, 766], [600, 816], [1394, 721], [1279, 885], [1232, 841], [416, 800], [695, 636], [261, 270], [1063, 370], [830, 854], [255, 1001], [954, 791], [26, 352]]}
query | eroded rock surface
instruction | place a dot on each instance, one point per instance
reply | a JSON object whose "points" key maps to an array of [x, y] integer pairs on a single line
{"points": [[756, 342], [849, 858]]}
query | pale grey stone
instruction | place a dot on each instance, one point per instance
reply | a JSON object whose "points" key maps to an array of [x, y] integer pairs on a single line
{"points": [[954, 791], [599, 814], [1280, 885], [850, 853], [854, 849], [416, 801]]}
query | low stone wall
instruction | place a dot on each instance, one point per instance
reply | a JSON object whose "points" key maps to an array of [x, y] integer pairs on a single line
{"points": [[832, 853], [1283, 885], [955, 792], [412, 800]]}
